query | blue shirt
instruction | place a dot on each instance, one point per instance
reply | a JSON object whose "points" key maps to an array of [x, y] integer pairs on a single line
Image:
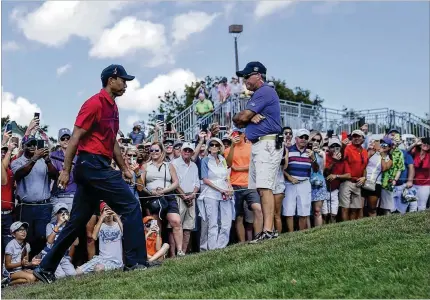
{"points": [[35, 186], [264, 101], [57, 158], [137, 138], [408, 161], [299, 163]]}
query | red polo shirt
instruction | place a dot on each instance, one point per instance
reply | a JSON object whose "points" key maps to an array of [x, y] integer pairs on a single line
{"points": [[357, 158], [99, 116], [338, 167]]}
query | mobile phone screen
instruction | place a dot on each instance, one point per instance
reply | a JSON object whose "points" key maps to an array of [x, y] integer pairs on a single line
{"points": [[223, 128], [8, 127], [160, 118], [169, 127]]}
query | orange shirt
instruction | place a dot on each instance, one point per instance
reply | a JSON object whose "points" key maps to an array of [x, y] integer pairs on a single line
{"points": [[151, 244], [357, 158], [241, 158]]}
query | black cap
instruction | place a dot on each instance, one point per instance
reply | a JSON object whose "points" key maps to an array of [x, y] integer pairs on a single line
{"points": [[252, 67], [115, 71]]}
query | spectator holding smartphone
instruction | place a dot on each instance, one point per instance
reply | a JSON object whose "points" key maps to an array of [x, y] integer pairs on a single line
{"points": [[32, 173]]}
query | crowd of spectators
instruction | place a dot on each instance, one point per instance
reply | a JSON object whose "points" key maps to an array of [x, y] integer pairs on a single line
{"points": [[194, 195]]}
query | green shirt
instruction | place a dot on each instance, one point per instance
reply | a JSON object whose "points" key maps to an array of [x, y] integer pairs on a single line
{"points": [[204, 107], [398, 165]]}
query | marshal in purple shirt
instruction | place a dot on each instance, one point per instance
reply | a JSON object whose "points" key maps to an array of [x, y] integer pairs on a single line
{"points": [[57, 158], [264, 101]]}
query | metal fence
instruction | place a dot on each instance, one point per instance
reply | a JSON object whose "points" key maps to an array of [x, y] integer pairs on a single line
{"points": [[299, 115]]}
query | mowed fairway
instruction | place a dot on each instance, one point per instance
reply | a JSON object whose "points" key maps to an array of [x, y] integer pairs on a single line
{"points": [[384, 257]]}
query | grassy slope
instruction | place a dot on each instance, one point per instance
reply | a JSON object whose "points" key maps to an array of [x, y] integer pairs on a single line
{"points": [[387, 257]]}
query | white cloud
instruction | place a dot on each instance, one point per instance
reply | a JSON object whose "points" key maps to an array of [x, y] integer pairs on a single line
{"points": [[193, 22], [266, 8], [63, 69], [18, 109], [10, 46], [145, 99], [55, 22], [130, 35]]}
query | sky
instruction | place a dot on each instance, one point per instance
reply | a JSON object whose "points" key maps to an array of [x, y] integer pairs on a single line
{"points": [[360, 55]]}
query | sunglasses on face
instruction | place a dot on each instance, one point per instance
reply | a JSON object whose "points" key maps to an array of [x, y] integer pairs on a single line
{"points": [[132, 155], [249, 76], [177, 148], [32, 144], [214, 145], [304, 137], [63, 211], [168, 145], [316, 140], [384, 145], [188, 150], [154, 150], [65, 138], [288, 133]]}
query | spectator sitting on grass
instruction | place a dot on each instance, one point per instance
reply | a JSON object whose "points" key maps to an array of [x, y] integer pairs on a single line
{"points": [[154, 247], [110, 230]]}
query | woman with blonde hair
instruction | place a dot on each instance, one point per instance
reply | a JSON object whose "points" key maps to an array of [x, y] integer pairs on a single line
{"points": [[215, 201]]}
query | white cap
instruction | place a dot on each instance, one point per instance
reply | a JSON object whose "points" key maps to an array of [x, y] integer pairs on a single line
{"points": [[334, 141], [59, 206], [358, 132], [188, 145], [302, 131], [15, 226]]}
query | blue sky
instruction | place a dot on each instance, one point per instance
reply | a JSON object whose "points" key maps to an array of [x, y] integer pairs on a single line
{"points": [[361, 55]]}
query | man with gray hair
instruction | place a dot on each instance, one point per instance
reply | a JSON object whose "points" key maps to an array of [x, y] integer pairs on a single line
{"points": [[262, 119]]}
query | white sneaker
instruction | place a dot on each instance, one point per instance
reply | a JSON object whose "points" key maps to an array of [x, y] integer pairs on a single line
{"points": [[181, 253]]}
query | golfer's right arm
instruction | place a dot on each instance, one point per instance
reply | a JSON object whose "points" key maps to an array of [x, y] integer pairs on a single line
{"points": [[77, 135]]}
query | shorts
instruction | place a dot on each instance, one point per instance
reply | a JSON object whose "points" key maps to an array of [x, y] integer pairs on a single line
{"points": [[264, 165], [245, 196], [188, 214], [280, 183], [331, 203], [375, 193], [108, 264], [401, 206], [297, 199], [387, 200], [172, 204], [350, 195]]}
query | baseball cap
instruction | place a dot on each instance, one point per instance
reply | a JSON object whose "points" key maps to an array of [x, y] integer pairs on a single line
{"points": [[64, 131], [115, 71], [226, 137], [303, 131], [393, 130], [358, 132], [15, 226], [224, 79], [177, 143], [333, 142], [147, 219], [387, 141], [28, 139], [168, 141], [252, 67], [187, 145], [58, 207], [236, 129], [135, 124]]}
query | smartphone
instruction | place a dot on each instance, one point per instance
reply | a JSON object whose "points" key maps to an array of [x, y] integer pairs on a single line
{"points": [[37, 115], [41, 144], [15, 140], [223, 128], [126, 141], [169, 127], [330, 133], [9, 127], [361, 122], [350, 137], [160, 118], [205, 128]]}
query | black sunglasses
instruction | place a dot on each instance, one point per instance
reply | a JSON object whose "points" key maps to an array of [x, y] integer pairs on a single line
{"points": [[304, 137], [288, 133], [154, 150], [316, 140], [65, 138], [32, 144], [168, 145], [177, 148], [132, 155], [62, 211], [214, 145]]}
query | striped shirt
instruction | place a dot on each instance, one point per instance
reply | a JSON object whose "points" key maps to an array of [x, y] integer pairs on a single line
{"points": [[299, 163]]}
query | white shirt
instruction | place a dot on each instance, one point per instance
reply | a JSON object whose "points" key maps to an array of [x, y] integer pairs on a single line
{"points": [[188, 175], [110, 242], [16, 250], [155, 176]]}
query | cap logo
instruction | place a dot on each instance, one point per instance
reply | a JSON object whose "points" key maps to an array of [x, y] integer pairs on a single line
{"points": [[255, 69], [115, 71]]}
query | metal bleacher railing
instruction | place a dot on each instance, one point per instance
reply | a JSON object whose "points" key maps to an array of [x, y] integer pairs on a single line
{"points": [[299, 115]]}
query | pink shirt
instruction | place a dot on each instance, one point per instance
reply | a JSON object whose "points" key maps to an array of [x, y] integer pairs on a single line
{"points": [[224, 91]]}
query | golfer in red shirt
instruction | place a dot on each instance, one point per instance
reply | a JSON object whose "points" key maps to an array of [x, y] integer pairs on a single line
{"points": [[94, 138]]}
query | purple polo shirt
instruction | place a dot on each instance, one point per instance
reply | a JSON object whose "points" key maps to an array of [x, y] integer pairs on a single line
{"points": [[71, 185], [264, 101]]}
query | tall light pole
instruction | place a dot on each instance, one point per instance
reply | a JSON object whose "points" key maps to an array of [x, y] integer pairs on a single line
{"points": [[236, 30]]}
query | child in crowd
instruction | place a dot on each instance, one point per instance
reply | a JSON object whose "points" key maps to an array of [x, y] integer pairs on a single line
{"points": [[16, 256], [109, 231], [65, 268], [154, 249]]}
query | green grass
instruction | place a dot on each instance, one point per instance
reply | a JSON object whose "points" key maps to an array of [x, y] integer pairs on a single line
{"points": [[385, 257]]}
